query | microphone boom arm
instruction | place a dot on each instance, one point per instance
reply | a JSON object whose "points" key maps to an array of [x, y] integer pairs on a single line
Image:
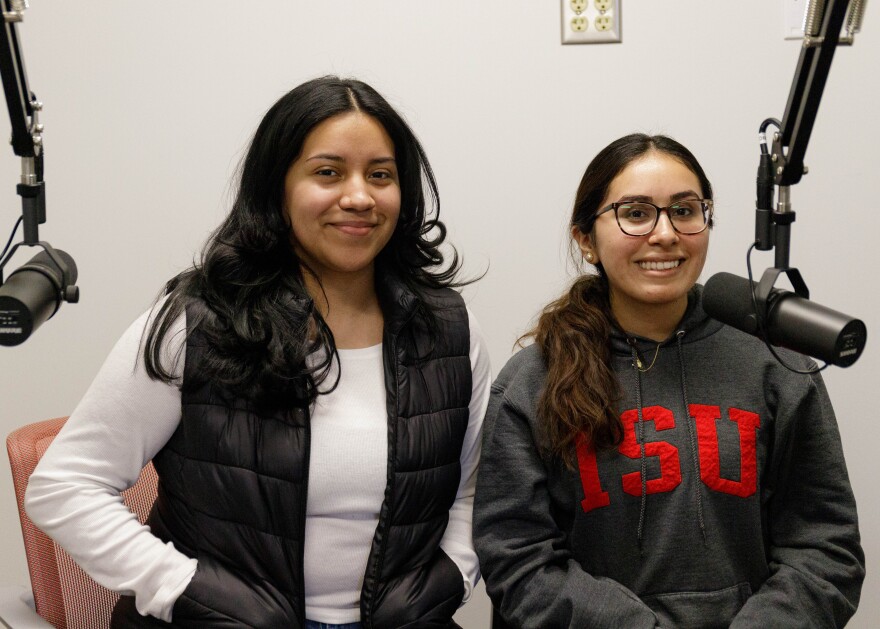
{"points": [[33, 292], [786, 160], [24, 108], [27, 143], [775, 316], [814, 63]]}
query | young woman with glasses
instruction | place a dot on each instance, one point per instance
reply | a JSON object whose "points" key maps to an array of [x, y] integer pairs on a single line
{"points": [[311, 395], [644, 465]]}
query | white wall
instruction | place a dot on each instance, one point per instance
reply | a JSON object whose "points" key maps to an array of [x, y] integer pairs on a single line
{"points": [[149, 105]]}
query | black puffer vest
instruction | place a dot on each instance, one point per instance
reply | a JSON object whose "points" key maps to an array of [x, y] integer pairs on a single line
{"points": [[233, 485]]}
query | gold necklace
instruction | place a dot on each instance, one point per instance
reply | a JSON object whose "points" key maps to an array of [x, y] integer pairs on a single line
{"points": [[641, 367]]}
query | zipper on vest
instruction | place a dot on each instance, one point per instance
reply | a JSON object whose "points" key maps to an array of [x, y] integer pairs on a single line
{"points": [[302, 520], [383, 524]]}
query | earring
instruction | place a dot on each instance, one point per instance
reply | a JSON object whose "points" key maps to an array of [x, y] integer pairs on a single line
{"points": [[589, 256]]}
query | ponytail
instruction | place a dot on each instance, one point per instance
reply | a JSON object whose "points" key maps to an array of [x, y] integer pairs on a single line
{"points": [[582, 391]]}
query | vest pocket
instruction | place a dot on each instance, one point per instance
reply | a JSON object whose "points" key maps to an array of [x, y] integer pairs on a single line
{"points": [[703, 610], [426, 597], [220, 597]]}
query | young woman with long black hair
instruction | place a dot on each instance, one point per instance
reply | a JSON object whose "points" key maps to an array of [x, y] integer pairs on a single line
{"points": [[644, 465], [311, 394]]}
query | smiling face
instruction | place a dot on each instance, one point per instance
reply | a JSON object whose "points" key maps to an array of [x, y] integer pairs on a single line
{"points": [[647, 274], [342, 196]]}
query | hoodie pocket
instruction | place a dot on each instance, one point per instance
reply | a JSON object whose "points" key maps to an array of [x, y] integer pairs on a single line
{"points": [[703, 610]]}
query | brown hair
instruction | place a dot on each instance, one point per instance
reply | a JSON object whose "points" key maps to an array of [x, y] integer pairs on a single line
{"points": [[574, 332]]}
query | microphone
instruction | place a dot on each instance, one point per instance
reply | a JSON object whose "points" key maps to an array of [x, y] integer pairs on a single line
{"points": [[33, 293], [789, 320]]}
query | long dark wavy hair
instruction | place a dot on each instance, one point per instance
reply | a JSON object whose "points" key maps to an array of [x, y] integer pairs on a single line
{"points": [[574, 332], [254, 313]]}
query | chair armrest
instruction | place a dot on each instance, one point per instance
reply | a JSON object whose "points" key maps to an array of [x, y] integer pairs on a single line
{"points": [[17, 609]]}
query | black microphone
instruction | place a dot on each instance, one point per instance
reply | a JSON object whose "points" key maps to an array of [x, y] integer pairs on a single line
{"points": [[33, 293], [789, 320]]}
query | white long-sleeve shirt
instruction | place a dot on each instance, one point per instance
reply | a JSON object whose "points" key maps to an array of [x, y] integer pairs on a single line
{"points": [[125, 418]]}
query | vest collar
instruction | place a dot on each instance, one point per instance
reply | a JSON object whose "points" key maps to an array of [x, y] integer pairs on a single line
{"points": [[399, 302]]}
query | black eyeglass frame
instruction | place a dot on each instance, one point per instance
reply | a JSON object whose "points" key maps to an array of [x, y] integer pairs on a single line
{"points": [[706, 207]]}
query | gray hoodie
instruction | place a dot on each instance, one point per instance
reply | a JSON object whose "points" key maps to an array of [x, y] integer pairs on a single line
{"points": [[738, 513]]}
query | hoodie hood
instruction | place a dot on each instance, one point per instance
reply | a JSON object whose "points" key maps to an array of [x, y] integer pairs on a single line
{"points": [[696, 325]]}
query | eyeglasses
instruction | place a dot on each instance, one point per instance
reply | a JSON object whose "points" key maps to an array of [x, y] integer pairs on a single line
{"points": [[639, 218]]}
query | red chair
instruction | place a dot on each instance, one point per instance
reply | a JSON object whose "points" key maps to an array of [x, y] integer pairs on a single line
{"points": [[64, 595]]}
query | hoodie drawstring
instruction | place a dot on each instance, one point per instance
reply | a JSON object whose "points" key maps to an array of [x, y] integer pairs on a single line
{"points": [[692, 437], [640, 439]]}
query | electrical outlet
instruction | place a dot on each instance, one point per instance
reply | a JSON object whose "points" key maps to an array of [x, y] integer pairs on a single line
{"points": [[585, 22]]}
